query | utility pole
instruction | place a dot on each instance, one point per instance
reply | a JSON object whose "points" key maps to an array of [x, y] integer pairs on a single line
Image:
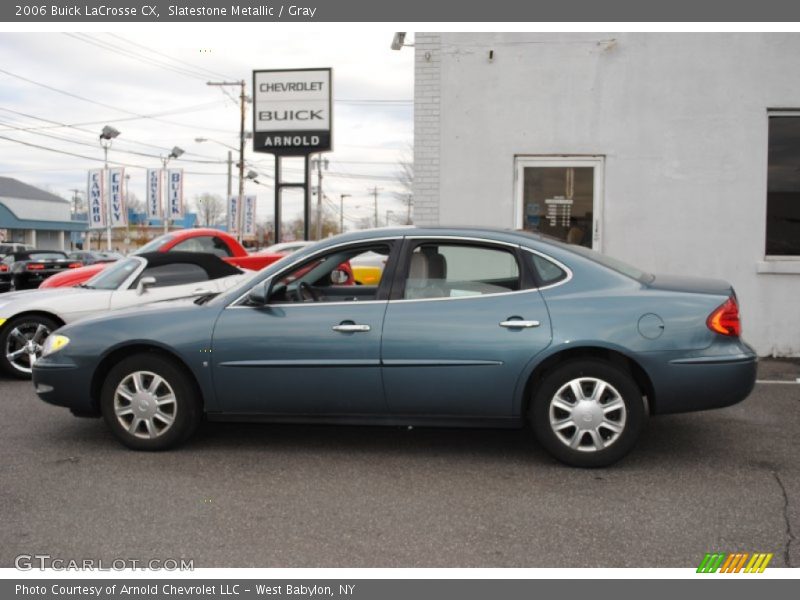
{"points": [[319, 163], [230, 173], [374, 191], [408, 213], [242, 101], [341, 211]]}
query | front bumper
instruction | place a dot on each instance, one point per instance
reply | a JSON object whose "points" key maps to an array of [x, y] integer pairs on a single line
{"points": [[63, 384], [701, 382]]}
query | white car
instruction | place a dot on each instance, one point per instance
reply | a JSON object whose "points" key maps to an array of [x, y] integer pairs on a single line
{"points": [[28, 317]]}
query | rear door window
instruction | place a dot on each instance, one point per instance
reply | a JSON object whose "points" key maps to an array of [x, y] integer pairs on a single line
{"points": [[451, 270]]}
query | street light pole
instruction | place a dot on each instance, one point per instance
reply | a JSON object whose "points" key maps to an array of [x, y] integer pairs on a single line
{"points": [[106, 137], [175, 153]]}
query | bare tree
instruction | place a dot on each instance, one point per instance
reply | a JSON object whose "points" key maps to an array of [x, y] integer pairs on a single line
{"points": [[133, 202], [405, 177], [210, 209]]}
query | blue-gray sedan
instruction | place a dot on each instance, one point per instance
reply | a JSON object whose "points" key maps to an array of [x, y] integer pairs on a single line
{"points": [[470, 328]]}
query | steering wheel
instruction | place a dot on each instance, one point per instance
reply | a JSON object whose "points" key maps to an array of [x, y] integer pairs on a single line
{"points": [[304, 292]]}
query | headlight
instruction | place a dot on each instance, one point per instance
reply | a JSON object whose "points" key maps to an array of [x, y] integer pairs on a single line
{"points": [[54, 343]]}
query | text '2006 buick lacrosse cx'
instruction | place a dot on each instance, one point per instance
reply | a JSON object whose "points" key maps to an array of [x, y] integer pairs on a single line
{"points": [[463, 328]]}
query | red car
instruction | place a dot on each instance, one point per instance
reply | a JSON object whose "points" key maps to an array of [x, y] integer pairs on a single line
{"points": [[212, 241]]}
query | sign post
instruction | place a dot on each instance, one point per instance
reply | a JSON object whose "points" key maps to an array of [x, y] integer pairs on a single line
{"points": [[292, 116]]}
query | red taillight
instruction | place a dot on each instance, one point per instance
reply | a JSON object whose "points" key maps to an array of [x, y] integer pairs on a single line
{"points": [[725, 319], [75, 265], [35, 267], [3, 268]]}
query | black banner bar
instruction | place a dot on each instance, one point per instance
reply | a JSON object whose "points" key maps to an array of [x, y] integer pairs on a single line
{"points": [[466, 11], [705, 586]]}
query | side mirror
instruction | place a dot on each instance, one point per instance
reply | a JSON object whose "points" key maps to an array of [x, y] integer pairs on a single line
{"points": [[259, 294], [144, 283], [339, 277]]}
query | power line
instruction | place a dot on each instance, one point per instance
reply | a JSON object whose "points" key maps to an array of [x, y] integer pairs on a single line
{"points": [[82, 37], [151, 50], [94, 145], [104, 105]]}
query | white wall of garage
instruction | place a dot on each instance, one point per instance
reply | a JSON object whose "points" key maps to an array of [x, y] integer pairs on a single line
{"points": [[681, 120]]}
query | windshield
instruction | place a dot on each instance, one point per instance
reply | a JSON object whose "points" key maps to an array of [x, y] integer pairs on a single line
{"points": [[155, 245], [112, 277]]}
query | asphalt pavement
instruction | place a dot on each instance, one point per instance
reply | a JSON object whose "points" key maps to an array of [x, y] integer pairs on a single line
{"points": [[241, 495]]}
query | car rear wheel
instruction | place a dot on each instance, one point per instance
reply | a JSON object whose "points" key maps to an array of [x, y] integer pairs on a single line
{"points": [[150, 403], [21, 342], [588, 413]]}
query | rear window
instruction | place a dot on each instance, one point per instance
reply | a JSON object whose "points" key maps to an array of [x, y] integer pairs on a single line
{"points": [[609, 262], [548, 272]]}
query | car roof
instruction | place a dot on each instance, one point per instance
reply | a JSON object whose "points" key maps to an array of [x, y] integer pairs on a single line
{"points": [[210, 263], [514, 236], [26, 254]]}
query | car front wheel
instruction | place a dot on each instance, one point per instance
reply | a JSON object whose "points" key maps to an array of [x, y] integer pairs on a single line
{"points": [[21, 342], [588, 413], [150, 403]]}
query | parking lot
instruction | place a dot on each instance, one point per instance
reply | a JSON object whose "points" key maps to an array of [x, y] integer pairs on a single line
{"points": [[313, 496]]}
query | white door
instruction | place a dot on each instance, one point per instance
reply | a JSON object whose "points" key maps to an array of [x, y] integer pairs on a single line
{"points": [[560, 196], [178, 280]]}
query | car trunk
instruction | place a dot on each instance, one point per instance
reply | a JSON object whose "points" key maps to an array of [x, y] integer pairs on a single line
{"points": [[692, 285]]}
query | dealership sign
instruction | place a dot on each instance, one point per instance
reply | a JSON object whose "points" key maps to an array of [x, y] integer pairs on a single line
{"points": [[153, 193], [119, 215], [95, 192], [175, 193], [249, 216], [292, 111], [233, 215]]}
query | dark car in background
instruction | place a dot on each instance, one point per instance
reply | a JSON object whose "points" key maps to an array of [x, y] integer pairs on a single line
{"points": [[93, 257], [28, 269]]}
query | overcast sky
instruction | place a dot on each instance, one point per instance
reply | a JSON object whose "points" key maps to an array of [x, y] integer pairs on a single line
{"points": [[134, 74]]}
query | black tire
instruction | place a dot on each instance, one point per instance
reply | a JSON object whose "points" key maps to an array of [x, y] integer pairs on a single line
{"points": [[25, 324], [599, 417], [186, 410]]}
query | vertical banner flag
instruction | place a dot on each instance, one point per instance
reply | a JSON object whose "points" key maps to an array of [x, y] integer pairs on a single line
{"points": [[233, 215], [95, 193], [175, 193], [153, 193], [119, 214], [249, 217]]}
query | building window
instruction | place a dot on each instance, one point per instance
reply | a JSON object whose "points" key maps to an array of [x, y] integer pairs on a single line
{"points": [[783, 186], [560, 196]]}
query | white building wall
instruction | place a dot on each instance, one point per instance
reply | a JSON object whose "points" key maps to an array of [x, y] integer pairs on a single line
{"points": [[427, 123], [681, 120]]}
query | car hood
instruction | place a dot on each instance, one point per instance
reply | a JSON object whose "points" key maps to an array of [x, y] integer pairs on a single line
{"points": [[37, 297], [693, 285]]}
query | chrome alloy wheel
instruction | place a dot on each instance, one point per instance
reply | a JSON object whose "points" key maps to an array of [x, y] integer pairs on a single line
{"points": [[24, 345], [145, 404], [587, 414]]}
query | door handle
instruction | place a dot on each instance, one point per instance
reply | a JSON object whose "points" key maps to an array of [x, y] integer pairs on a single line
{"points": [[519, 324], [350, 328]]}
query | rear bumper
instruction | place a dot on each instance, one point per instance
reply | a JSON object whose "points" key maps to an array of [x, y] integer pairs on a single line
{"points": [[691, 383]]}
